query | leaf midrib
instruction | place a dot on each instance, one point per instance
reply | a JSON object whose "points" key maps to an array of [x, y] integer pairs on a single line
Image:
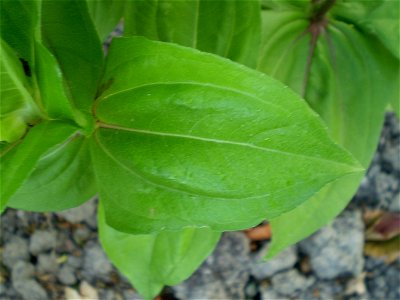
{"points": [[221, 141]]}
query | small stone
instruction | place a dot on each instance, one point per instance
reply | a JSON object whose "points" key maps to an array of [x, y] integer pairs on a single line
{"points": [[262, 269], [107, 294], [131, 295], [66, 275], [268, 293], [30, 290], [47, 263], [85, 212], [386, 186], [395, 205], [87, 291], [81, 235], [96, 263], [22, 271], [323, 290], [41, 241], [15, 250], [291, 283], [74, 261], [337, 249]]}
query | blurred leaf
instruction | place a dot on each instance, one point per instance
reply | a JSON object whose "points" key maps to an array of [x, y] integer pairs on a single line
{"points": [[50, 82], [105, 15], [228, 28], [18, 162], [19, 26], [380, 18], [323, 60], [17, 107], [154, 260], [69, 33], [65, 174], [383, 226]]}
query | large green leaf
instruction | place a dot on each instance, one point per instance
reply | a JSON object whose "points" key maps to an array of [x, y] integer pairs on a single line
{"points": [[154, 260], [224, 27], [17, 107], [63, 178], [70, 35], [105, 15], [348, 77], [20, 26], [205, 135], [18, 160]]}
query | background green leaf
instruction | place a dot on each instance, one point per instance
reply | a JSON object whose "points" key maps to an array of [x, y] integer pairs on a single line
{"points": [[62, 179], [189, 142], [17, 107], [348, 78], [69, 33], [20, 26], [18, 160], [228, 28], [50, 82], [105, 15], [380, 18], [154, 260]]}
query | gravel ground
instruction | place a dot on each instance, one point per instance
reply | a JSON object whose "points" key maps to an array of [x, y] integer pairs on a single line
{"points": [[58, 256]]}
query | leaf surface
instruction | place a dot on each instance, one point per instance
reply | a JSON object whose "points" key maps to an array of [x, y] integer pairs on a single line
{"points": [[17, 108], [105, 15], [19, 160], [228, 28], [50, 81], [69, 33], [65, 174], [380, 18], [206, 135], [20, 26], [327, 70], [154, 260]]}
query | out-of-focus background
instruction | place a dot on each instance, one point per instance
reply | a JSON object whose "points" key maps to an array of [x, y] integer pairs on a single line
{"points": [[58, 256]]}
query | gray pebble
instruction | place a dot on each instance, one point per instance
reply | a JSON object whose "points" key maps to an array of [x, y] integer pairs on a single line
{"points": [[30, 290], [268, 293], [96, 263], [262, 269], [337, 249], [15, 250], [47, 263], [74, 261], [291, 283], [131, 295], [323, 290], [66, 275], [86, 212], [395, 204], [81, 235], [22, 271], [41, 241]]}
